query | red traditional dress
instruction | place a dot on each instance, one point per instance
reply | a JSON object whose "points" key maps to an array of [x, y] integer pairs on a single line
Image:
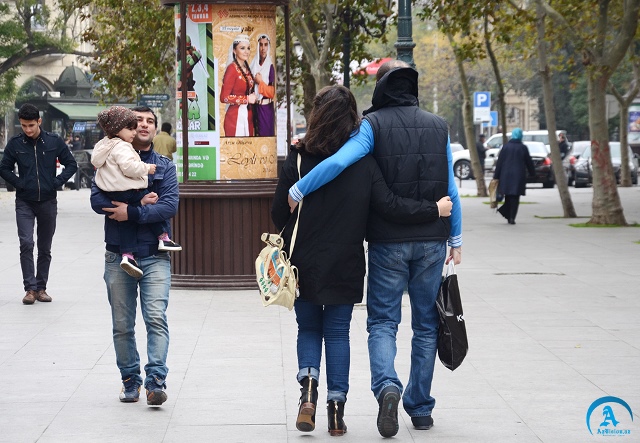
{"points": [[238, 120]]}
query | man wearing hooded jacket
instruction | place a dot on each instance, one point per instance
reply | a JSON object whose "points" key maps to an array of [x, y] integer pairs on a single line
{"points": [[412, 149]]}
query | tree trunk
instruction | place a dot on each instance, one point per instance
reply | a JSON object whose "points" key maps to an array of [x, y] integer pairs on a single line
{"points": [[496, 71], [308, 88], [606, 205], [550, 115], [624, 102], [467, 118], [625, 171]]}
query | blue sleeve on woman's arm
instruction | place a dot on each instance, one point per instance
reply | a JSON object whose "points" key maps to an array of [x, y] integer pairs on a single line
{"points": [[353, 150], [455, 237]]}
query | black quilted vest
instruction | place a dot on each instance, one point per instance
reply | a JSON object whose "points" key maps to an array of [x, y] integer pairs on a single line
{"points": [[411, 150]]}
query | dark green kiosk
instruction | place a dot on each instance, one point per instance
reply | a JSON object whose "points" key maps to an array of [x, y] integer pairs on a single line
{"points": [[227, 178]]}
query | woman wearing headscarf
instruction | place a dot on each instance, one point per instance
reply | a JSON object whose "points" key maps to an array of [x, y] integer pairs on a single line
{"points": [[264, 75], [511, 170], [237, 90]]}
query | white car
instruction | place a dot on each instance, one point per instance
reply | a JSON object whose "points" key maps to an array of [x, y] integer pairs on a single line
{"points": [[495, 141], [462, 164]]}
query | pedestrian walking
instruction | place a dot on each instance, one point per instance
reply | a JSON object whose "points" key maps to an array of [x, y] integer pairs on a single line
{"points": [[124, 177], [413, 152], [329, 252], [36, 152], [159, 205], [511, 170]]}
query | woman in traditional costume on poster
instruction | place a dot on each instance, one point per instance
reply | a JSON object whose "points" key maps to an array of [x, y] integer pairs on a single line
{"points": [[237, 90]]}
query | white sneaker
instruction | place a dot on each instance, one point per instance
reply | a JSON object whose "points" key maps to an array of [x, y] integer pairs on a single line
{"points": [[168, 245], [130, 266]]}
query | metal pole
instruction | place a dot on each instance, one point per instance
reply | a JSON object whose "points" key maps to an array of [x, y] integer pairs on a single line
{"points": [[346, 48], [287, 51], [405, 43], [184, 100]]}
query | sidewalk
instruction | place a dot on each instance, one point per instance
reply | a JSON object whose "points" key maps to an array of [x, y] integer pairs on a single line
{"points": [[552, 314]]}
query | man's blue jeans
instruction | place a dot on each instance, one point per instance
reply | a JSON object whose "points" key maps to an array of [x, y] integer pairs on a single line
{"points": [[392, 268], [330, 322], [122, 290]]}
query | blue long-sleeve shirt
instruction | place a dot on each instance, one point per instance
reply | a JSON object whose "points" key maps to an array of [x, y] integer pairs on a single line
{"points": [[353, 150]]}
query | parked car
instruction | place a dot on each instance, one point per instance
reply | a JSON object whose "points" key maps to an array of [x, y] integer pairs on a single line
{"points": [[455, 147], [577, 149], [84, 175], [3, 183], [462, 163], [495, 141], [541, 161], [584, 169]]}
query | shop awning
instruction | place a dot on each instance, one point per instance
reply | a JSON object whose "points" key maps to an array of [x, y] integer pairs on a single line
{"points": [[79, 112]]}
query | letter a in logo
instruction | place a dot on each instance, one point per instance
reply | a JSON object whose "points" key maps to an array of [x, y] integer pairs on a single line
{"points": [[609, 418]]}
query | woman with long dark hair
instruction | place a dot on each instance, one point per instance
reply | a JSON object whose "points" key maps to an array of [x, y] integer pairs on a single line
{"points": [[237, 90], [329, 250]]}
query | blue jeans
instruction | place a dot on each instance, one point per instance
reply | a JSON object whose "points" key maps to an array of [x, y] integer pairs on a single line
{"points": [[122, 290], [392, 267], [330, 322], [27, 212]]}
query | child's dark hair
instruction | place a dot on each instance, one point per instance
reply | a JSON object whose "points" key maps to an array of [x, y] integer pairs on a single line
{"points": [[28, 112], [333, 118], [132, 124]]}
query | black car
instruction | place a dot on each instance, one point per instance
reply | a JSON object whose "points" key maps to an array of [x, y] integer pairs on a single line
{"points": [[4, 184], [84, 175], [584, 169], [542, 163], [577, 149]]}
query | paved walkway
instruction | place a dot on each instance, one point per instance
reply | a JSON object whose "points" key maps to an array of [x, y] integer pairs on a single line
{"points": [[552, 315]]}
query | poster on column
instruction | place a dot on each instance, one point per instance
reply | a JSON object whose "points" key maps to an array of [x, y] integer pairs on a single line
{"points": [[244, 46], [634, 124], [200, 105]]}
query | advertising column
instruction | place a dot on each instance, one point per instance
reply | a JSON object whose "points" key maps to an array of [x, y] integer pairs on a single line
{"points": [[231, 92]]}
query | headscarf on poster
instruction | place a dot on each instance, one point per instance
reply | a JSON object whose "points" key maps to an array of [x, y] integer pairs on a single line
{"points": [[264, 69]]}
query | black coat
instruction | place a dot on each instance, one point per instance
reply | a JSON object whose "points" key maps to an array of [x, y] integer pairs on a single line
{"points": [[511, 169], [329, 250], [482, 153], [36, 160]]}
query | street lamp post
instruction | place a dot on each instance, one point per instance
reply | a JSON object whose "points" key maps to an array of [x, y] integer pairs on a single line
{"points": [[405, 44], [353, 19]]}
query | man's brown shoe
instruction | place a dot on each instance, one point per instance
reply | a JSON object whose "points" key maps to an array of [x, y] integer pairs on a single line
{"points": [[42, 295], [30, 297]]}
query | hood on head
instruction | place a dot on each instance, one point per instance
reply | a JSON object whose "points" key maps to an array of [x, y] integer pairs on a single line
{"points": [[398, 87]]}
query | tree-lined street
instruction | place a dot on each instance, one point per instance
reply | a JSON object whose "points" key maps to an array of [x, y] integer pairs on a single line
{"points": [[551, 315]]}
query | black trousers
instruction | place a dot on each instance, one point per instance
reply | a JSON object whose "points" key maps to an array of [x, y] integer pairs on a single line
{"points": [[510, 208], [27, 212]]}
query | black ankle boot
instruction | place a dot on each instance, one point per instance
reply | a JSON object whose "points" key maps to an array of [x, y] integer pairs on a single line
{"points": [[306, 421], [335, 414]]}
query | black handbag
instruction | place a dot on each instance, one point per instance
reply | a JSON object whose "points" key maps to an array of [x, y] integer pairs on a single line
{"points": [[452, 333]]}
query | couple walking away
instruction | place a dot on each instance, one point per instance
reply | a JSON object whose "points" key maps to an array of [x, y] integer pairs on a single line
{"points": [[398, 146]]}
